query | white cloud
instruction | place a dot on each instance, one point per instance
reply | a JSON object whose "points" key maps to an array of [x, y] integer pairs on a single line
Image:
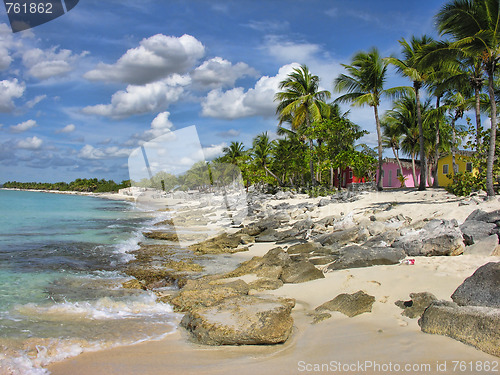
{"points": [[35, 101], [213, 151], [151, 97], [218, 72], [156, 57], [33, 143], [49, 63], [23, 126], [67, 129], [89, 152], [236, 103], [6, 42], [288, 51], [9, 90]]}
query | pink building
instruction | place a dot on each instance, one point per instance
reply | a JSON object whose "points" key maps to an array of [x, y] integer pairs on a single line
{"points": [[391, 171]]}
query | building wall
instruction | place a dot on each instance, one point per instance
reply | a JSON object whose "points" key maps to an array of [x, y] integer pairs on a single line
{"points": [[461, 161], [390, 177]]}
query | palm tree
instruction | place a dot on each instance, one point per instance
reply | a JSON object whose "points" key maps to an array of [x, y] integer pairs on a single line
{"points": [[403, 117], [234, 152], [474, 25], [411, 66], [365, 86], [262, 150], [392, 135], [302, 103]]}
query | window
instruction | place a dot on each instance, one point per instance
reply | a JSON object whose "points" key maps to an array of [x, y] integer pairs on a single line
{"points": [[350, 175], [468, 167], [389, 181], [445, 168], [398, 172]]}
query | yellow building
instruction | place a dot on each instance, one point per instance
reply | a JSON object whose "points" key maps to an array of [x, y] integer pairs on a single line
{"points": [[445, 165]]}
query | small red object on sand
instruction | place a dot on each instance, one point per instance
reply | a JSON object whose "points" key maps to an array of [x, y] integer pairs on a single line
{"points": [[410, 262]]}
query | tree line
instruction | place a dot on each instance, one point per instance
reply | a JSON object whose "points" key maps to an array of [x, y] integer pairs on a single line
{"points": [[89, 185], [449, 77]]}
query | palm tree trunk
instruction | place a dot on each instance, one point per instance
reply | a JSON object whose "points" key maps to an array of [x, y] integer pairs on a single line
{"points": [[396, 155], [477, 94], [272, 174], [436, 150], [493, 134], [453, 141], [413, 169], [331, 177], [423, 163], [379, 141], [311, 164]]}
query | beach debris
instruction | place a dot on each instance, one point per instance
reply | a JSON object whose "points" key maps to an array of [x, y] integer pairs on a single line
{"points": [[409, 262], [349, 304], [473, 325], [415, 307], [482, 288], [243, 320]]}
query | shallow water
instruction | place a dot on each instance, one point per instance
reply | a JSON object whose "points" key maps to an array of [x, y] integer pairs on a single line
{"points": [[60, 293]]}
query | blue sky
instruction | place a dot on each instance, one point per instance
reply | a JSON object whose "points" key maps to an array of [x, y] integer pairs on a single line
{"points": [[79, 93]]}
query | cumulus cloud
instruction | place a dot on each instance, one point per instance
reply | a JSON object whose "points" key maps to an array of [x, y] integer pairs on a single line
{"points": [[30, 143], [89, 152], [10, 90], [33, 102], [213, 151], [218, 72], [6, 42], [49, 63], [238, 103], [151, 97], [23, 126], [67, 129], [156, 57]]}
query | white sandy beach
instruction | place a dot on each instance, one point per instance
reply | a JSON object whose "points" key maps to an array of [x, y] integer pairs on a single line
{"points": [[379, 342]]}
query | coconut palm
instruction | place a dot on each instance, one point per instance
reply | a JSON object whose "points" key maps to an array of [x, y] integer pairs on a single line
{"points": [[392, 136], [262, 150], [234, 152], [302, 102], [364, 84], [474, 26], [412, 67]]}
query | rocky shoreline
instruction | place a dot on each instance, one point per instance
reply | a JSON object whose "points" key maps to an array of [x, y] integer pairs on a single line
{"points": [[237, 307]]}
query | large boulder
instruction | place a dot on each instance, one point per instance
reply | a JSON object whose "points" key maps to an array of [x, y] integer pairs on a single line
{"points": [[474, 230], [244, 320], [437, 237], [473, 325], [355, 256], [196, 294], [488, 217], [480, 289], [223, 243], [300, 272], [349, 304]]}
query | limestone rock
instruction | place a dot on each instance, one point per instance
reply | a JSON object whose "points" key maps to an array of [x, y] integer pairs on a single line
{"points": [[339, 238], [415, 307], [265, 284], [355, 256], [300, 272], [194, 295], [162, 235], [437, 237], [244, 320], [223, 243], [473, 325], [475, 230], [480, 289], [349, 304], [485, 246]]}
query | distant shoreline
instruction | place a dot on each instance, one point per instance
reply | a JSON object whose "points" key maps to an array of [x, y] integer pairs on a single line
{"points": [[107, 195]]}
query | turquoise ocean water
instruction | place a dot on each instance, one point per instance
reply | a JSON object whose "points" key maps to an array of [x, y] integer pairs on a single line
{"points": [[60, 285]]}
